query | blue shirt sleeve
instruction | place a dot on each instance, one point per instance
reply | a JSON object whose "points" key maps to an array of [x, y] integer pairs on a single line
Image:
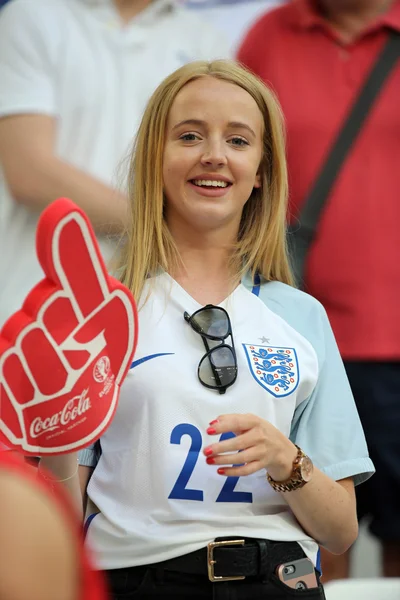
{"points": [[89, 457], [326, 425]]}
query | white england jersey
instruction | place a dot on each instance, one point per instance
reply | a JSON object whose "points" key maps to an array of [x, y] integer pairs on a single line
{"points": [[157, 496]]}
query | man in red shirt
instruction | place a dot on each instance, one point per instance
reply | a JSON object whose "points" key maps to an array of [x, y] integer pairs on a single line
{"points": [[316, 54]]}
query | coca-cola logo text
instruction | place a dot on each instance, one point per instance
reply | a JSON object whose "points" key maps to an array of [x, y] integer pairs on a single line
{"points": [[74, 408]]}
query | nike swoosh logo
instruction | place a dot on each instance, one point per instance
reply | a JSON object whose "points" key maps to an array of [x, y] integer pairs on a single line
{"points": [[150, 357]]}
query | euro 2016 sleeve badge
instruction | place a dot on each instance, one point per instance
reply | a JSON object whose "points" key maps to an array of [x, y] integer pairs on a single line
{"points": [[65, 354], [275, 369]]}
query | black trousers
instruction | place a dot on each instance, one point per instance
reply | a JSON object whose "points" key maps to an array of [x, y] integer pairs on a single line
{"points": [[376, 390], [165, 581]]}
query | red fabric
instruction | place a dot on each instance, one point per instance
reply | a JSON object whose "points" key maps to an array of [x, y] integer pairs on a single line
{"points": [[92, 584], [65, 354], [353, 268]]}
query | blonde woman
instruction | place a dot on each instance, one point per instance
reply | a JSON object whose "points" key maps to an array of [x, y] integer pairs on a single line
{"points": [[236, 444]]}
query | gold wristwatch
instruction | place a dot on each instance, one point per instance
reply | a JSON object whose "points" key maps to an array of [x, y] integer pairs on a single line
{"points": [[301, 474]]}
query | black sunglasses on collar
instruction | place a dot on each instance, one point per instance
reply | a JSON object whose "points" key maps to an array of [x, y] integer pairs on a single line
{"points": [[218, 367]]}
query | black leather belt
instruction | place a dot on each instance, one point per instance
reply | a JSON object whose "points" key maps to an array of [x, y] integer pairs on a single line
{"points": [[228, 559]]}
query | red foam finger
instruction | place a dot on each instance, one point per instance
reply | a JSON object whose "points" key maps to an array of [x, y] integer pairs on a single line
{"points": [[113, 320], [69, 254], [17, 379], [60, 319], [70, 345], [44, 362], [49, 304], [77, 359], [12, 328], [4, 443], [38, 297], [83, 269], [9, 421]]}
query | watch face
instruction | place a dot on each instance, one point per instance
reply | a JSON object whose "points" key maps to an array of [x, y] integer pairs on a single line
{"points": [[307, 468]]}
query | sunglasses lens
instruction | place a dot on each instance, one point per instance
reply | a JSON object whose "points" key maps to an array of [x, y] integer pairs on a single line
{"points": [[211, 321], [218, 369]]}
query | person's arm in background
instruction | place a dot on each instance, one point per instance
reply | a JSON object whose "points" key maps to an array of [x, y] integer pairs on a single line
{"points": [[88, 459], [85, 474], [36, 176], [29, 113], [64, 469], [37, 549]]}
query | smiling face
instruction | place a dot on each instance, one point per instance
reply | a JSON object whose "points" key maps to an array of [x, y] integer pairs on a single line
{"points": [[212, 153]]}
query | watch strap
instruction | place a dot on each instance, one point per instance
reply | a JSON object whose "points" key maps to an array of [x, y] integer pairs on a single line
{"points": [[295, 481]]}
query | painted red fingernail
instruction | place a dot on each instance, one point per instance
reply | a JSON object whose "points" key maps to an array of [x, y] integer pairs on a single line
{"points": [[210, 461], [213, 422], [211, 431], [208, 451], [221, 471]]}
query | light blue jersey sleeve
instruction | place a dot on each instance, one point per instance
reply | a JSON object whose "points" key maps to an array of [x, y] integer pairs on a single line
{"points": [[326, 425], [89, 457]]}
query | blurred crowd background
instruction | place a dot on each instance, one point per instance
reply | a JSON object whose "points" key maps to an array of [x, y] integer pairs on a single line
{"points": [[68, 114]]}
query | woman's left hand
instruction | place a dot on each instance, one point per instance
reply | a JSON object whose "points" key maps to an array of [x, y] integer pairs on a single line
{"points": [[257, 445]]}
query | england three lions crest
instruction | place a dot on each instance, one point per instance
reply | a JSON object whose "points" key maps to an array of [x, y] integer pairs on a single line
{"points": [[275, 369]]}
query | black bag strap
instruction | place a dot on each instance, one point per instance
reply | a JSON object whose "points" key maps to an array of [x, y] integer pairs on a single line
{"points": [[301, 235]]}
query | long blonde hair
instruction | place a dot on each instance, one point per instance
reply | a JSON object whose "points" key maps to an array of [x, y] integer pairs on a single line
{"points": [[261, 244]]}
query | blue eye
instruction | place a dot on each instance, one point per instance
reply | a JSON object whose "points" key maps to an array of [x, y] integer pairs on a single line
{"points": [[238, 141]]}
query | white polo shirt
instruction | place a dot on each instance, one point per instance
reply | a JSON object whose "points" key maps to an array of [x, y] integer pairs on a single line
{"points": [[233, 17], [74, 60], [157, 497]]}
